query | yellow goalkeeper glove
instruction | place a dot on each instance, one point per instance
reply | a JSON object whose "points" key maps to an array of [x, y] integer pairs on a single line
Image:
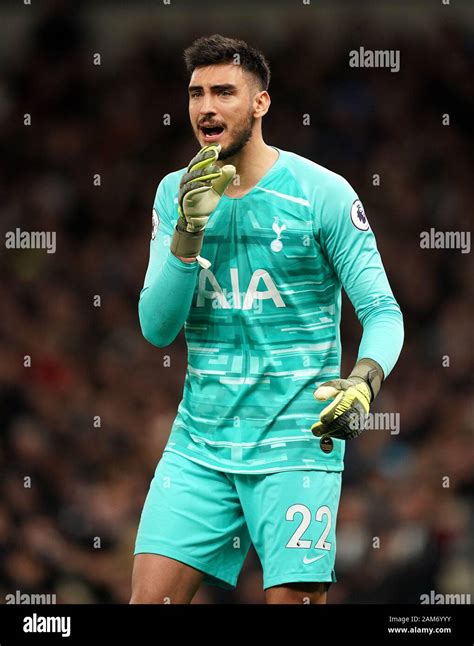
{"points": [[345, 417], [200, 189]]}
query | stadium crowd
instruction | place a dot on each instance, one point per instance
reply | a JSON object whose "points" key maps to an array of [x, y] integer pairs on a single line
{"points": [[83, 426]]}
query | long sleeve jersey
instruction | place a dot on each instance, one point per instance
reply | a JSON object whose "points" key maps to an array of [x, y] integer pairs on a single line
{"points": [[262, 324]]}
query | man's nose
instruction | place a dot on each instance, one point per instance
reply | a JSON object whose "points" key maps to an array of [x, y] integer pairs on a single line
{"points": [[207, 105]]}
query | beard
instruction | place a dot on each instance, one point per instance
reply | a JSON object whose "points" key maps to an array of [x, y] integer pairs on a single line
{"points": [[242, 134]]}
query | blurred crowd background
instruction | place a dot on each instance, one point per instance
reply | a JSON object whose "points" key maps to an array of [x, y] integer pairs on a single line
{"points": [[406, 522]]}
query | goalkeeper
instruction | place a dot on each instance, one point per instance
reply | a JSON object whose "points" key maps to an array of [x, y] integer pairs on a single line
{"points": [[251, 247]]}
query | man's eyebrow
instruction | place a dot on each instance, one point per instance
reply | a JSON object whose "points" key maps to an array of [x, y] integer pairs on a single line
{"points": [[224, 86]]}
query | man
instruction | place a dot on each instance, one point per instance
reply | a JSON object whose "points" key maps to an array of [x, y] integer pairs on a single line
{"points": [[257, 287]]}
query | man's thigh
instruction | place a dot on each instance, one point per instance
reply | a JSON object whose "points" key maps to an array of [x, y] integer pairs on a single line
{"points": [[193, 514], [291, 516], [159, 579]]}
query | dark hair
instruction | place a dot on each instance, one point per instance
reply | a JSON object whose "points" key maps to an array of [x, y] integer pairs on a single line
{"points": [[217, 49]]}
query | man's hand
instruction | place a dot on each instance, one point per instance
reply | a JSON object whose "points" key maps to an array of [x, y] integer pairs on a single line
{"points": [[345, 417], [200, 189]]}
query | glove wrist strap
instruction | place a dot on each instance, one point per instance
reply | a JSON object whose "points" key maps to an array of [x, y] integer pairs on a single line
{"points": [[185, 244], [369, 371]]}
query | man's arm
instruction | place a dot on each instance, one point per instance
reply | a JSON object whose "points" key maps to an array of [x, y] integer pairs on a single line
{"points": [[170, 280], [169, 285], [350, 247]]}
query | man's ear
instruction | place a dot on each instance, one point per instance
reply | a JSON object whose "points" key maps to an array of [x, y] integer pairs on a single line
{"points": [[261, 103]]}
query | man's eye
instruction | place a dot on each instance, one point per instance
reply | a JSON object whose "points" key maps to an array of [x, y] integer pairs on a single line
{"points": [[225, 92], [194, 95]]}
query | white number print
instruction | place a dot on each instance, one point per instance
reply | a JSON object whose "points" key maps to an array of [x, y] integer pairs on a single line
{"points": [[302, 527], [321, 544], [295, 540]]}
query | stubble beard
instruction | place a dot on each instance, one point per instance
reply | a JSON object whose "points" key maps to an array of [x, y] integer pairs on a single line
{"points": [[242, 136]]}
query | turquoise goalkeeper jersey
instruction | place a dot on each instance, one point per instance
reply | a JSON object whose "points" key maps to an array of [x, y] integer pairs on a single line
{"points": [[262, 323]]}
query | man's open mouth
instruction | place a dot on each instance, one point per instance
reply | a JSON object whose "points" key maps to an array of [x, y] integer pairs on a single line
{"points": [[211, 133]]}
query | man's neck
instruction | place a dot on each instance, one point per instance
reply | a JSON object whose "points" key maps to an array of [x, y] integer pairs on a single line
{"points": [[252, 163]]}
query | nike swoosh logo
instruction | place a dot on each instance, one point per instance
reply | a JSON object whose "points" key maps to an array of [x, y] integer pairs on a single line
{"points": [[316, 558]]}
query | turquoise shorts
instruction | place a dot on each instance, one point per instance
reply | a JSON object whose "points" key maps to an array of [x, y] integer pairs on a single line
{"points": [[208, 519]]}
